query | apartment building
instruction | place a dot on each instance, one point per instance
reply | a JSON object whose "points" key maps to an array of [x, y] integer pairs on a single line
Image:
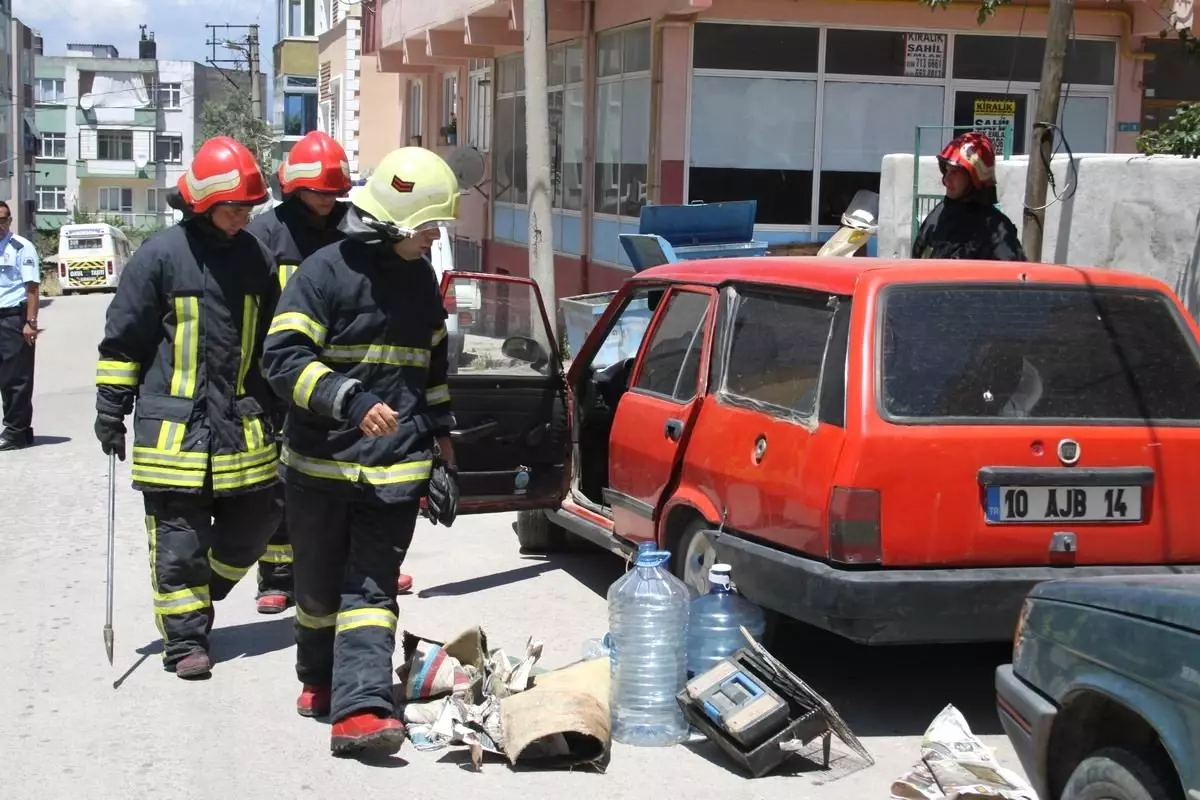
{"points": [[18, 130], [367, 131], [792, 103], [117, 133], [299, 24]]}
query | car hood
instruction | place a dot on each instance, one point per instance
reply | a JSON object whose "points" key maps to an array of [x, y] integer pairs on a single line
{"points": [[1170, 599]]}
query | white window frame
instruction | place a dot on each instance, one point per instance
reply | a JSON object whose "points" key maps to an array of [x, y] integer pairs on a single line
{"points": [[479, 96], [414, 115], [59, 193], [156, 201], [58, 91], [174, 137], [53, 138], [284, 19], [449, 97], [170, 96], [609, 79], [104, 193], [949, 83], [289, 90]]}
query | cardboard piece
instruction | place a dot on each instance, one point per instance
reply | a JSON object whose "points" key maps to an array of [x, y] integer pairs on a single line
{"points": [[562, 721]]}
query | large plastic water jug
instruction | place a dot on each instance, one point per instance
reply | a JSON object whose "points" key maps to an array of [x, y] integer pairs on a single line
{"points": [[714, 621], [648, 618]]}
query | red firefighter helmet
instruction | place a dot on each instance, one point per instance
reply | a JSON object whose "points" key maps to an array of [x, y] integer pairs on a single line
{"points": [[222, 171], [317, 163], [973, 152]]}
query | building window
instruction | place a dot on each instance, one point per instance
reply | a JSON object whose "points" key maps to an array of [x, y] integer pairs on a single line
{"points": [[449, 98], [170, 95], [116, 200], [565, 97], [479, 96], [297, 18], [114, 145], [299, 113], [54, 145], [622, 121], [414, 110], [51, 90], [335, 108], [156, 201], [51, 198], [168, 149]]}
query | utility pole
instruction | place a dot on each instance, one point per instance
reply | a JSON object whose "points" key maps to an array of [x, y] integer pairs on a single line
{"points": [[1058, 31], [537, 158], [255, 87]]}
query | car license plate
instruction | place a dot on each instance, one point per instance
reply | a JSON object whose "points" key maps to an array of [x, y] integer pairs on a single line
{"points": [[97, 272], [1024, 504]]}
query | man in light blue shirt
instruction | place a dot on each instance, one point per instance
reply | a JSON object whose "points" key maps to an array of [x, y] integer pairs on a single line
{"points": [[20, 281]]}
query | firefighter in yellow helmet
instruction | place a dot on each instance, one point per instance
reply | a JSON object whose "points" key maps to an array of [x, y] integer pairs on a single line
{"points": [[358, 344]]}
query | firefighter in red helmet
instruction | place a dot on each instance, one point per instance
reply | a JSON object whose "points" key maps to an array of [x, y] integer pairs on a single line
{"points": [[312, 178], [967, 223], [183, 339]]}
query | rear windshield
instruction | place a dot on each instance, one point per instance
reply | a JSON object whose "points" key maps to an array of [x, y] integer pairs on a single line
{"points": [[85, 244], [1037, 353]]}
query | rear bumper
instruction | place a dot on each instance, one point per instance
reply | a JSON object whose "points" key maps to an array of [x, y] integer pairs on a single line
{"points": [[897, 606], [1027, 718]]}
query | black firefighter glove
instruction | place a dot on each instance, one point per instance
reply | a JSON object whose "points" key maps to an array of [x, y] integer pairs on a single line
{"points": [[111, 433], [442, 500]]}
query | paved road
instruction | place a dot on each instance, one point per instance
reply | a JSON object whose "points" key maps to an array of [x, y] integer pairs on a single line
{"points": [[76, 728]]}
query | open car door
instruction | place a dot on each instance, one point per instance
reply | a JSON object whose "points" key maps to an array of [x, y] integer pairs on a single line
{"points": [[511, 437]]}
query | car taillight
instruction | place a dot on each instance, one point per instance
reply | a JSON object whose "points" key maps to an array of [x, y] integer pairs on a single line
{"points": [[854, 526], [108, 265], [62, 270], [465, 319], [1019, 633], [450, 302]]}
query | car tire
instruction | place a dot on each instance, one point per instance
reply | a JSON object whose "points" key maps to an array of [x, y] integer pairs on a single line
{"points": [[537, 534], [1115, 773]]}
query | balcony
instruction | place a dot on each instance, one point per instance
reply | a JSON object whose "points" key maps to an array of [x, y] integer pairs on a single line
{"points": [[133, 117], [106, 168], [132, 219]]}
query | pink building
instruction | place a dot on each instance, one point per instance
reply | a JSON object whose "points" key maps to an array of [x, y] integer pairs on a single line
{"points": [[789, 102]]}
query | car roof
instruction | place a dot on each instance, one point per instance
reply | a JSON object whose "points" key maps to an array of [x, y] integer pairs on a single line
{"points": [[843, 275]]}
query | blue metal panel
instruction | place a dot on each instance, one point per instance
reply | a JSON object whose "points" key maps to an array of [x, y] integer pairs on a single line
{"points": [[572, 234]]}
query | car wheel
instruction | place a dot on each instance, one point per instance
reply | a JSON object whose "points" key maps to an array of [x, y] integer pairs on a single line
{"points": [[537, 534], [1116, 774], [693, 556]]}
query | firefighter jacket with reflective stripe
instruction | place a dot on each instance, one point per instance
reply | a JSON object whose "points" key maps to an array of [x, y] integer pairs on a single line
{"points": [[356, 317], [292, 233], [183, 337]]}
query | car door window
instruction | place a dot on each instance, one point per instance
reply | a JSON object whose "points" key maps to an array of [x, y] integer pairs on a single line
{"points": [[628, 330], [671, 364], [776, 350]]}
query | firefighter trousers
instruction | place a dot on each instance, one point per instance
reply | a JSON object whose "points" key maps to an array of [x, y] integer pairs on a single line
{"points": [[275, 566], [200, 547], [348, 553]]}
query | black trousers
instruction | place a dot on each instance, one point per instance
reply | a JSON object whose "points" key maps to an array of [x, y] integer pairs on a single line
{"points": [[200, 547], [275, 566], [348, 553], [16, 376]]}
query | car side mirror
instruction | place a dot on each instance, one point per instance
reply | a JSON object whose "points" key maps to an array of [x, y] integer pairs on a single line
{"points": [[522, 348]]}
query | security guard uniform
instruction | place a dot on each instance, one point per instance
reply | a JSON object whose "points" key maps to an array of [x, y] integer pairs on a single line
{"points": [[359, 321], [183, 337], [19, 272], [293, 231]]}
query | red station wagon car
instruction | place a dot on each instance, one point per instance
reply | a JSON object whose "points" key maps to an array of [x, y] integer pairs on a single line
{"points": [[894, 451]]}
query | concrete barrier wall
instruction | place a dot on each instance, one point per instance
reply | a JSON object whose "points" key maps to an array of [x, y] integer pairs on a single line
{"points": [[1135, 213]]}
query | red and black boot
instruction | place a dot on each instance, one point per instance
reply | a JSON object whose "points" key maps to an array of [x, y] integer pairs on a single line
{"points": [[314, 701], [366, 732], [274, 602]]}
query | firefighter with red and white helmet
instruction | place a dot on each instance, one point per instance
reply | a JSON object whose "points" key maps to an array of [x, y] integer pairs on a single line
{"points": [[967, 223], [183, 338], [312, 178]]}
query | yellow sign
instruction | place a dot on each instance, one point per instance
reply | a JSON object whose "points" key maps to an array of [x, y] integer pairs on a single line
{"points": [[1005, 108]]}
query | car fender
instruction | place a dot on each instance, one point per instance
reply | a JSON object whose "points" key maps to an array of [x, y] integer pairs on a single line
{"points": [[688, 497], [1160, 712]]}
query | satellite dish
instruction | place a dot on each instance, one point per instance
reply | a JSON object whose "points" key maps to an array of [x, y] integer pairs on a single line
{"points": [[140, 162], [87, 101], [467, 163]]}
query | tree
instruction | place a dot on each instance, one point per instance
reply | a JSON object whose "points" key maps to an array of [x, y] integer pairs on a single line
{"points": [[1179, 136], [233, 116]]}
